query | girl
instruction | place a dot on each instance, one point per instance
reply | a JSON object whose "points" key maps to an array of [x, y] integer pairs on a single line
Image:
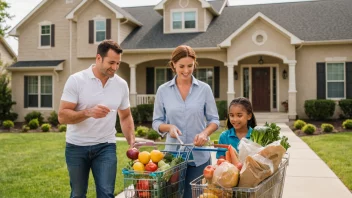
{"points": [[240, 123]]}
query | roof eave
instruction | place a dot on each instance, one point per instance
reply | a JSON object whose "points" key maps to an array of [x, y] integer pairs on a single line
{"points": [[8, 47]]}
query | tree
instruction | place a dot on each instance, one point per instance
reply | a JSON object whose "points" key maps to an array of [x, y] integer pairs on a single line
{"points": [[6, 100], [4, 15]]}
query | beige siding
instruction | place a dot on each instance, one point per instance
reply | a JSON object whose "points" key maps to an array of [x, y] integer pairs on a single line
{"points": [[306, 74], [54, 12], [94, 9], [208, 18], [276, 42], [125, 30], [5, 56], [174, 4]]}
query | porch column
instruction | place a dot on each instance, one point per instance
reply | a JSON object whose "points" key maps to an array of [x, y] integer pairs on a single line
{"points": [[292, 92], [133, 90], [230, 83]]}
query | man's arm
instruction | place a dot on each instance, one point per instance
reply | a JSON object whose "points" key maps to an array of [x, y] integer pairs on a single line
{"points": [[67, 114], [127, 125]]}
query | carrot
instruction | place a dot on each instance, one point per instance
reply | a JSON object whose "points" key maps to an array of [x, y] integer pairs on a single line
{"points": [[233, 155], [228, 157]]}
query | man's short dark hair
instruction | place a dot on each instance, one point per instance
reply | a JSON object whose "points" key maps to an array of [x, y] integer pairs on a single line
{"points": [[105, 45]]}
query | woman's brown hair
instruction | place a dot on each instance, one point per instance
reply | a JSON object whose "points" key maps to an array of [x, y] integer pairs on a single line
{"points": [[182, 51]]}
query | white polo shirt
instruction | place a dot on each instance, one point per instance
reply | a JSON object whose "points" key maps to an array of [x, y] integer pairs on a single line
{"points": [[87, 91]]}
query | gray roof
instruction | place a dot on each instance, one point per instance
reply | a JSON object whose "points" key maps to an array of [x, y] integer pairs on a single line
{"points": [[123, 12], [37, 63], [309, 21], [217, 4]]}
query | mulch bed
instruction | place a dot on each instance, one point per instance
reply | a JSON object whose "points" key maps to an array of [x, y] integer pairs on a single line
{"points": [[336, 123]]}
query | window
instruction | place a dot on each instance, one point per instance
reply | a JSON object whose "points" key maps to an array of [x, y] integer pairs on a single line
{"points": [[246, 82], [45, 35], [100, 30], [184, 20], [335, 80], [39, 91], [161, 77], [205, 75]]}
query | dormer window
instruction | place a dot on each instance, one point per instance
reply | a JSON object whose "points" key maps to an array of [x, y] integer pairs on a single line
{"points": [[184, 20], [100, 30]]}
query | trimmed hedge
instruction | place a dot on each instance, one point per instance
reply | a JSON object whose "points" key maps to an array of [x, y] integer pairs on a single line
{"points": [[346, 107], [46, 127], [222, 109], [34, 115], [309, 129], [347, 124], [33, 124], [62, 127], [145, 112], [327, 128], [299, 124], [8, 124], [142, 131], [53, 119], [319, 109], [152, 134]]}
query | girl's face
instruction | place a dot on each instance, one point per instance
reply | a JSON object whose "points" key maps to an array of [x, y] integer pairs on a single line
{"points": [[184, 68], [239, 117]]}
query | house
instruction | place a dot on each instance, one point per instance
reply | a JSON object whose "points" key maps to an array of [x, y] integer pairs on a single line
{"points": [[7, 55], [269, 53]]}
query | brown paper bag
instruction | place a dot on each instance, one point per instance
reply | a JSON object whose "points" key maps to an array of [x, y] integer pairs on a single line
{"points": [[274, 152]]}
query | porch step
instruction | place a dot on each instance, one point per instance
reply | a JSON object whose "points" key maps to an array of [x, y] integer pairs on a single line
{"points": [[270, 117]]}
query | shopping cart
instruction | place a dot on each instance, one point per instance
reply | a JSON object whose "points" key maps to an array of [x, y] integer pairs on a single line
{"points": [[272, 187]]}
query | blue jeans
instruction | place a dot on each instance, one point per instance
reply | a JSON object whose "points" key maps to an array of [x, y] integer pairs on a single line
{"points": [[101, 158], [192, 173]]}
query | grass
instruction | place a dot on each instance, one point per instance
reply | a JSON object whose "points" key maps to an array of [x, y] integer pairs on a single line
{"points": [[335, 150]]}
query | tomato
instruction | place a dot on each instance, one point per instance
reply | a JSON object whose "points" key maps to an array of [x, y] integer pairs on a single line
{"points": [[220, 160], [142, 185], [151, 167], [208, 172]]}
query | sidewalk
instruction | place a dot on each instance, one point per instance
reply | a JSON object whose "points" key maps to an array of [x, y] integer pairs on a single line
{"points": [[307, 175]]}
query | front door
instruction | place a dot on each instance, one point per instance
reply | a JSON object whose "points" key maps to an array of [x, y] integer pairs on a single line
{"points": [[261, 88]]}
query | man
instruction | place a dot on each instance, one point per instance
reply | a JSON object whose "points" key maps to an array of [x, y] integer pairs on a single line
{"points": [[88, 106]]}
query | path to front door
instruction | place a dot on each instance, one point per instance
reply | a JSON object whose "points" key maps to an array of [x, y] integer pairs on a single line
{"points": [[261, 88]]}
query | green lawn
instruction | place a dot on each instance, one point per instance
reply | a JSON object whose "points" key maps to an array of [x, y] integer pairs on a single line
{"points": [[336, 151]]}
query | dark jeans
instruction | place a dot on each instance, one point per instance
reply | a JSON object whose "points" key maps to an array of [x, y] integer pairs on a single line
{"points": [[101, 158], [192, 173]]}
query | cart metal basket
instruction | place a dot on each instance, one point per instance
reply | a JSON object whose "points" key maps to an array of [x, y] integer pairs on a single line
{"points": [[272, 187]]}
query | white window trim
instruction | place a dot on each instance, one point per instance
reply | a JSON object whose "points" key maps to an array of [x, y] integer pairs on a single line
{"points": [[257, 33], [278, 79], [39, 94], [159, 67], [44, 23], [207, 67], [326, 80], [96, 19], [183, 29]]}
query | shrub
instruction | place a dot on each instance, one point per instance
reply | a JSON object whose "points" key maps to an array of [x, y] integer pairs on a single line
{"points": [[319, 109], [53, 119], [145, 112], [347, 124], [6, 102], [346, 107], [46, 127], [117, 125], [25, 128], [62, 127], [142, 131], [309, 129], [34, 115], [152, 134], [135, 115], [299, 124], [222, 109], [327, 128], [33, 124], [8, 124]]}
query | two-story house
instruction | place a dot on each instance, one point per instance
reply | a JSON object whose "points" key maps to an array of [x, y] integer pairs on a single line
{"points": [[267, 53]]}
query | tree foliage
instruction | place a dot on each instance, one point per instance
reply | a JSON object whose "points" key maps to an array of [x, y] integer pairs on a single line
{"points": [[6, 100], [4, 15]]}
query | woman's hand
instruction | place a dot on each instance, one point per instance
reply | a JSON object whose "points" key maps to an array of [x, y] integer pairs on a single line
{"points": [[200, 139], [174, 131]]}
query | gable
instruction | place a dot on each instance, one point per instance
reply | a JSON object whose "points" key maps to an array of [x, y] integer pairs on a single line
{"points": [[184, 3]]}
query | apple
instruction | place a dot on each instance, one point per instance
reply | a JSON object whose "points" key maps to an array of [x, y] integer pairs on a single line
{"points": [[132, 153], [239, 166], [208, 172]]}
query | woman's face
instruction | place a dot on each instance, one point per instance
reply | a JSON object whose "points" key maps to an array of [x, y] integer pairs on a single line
{"points": [[184, 68], [239, 117]]}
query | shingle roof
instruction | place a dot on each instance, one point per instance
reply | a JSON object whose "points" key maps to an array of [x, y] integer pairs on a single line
{"points": [[309, 21], [38, 63], [217, 4], [123, 12]]}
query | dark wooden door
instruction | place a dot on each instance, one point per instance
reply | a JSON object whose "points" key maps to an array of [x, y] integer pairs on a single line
{"points": [[261, 89]]}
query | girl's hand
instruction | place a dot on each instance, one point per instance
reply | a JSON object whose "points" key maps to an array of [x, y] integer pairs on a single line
{"points": [[173, 131], [200, 139]]}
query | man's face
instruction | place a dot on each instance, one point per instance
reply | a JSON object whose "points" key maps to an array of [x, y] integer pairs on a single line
{"points": [[109, 64]]}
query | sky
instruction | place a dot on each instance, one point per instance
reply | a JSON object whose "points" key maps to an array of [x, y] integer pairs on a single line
{"points": [[20, 8]]}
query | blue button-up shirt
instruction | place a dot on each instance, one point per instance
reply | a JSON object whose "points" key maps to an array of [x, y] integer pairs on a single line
{"points": [[190, 116], [229, 137]]}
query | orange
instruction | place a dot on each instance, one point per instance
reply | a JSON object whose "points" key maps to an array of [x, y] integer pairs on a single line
{"points": [[144, 157], [138, 167], [156, 156]]}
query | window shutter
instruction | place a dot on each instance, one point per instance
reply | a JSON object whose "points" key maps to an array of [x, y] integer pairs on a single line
{"points": [[91, 31], [321, 81], [25, 91], [108, 28], [169, 74], [150, 80], [217, 82], [52, 35], [349, 80]]}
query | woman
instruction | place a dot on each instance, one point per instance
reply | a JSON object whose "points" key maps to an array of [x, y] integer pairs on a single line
{"points": [[185, 108]]}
